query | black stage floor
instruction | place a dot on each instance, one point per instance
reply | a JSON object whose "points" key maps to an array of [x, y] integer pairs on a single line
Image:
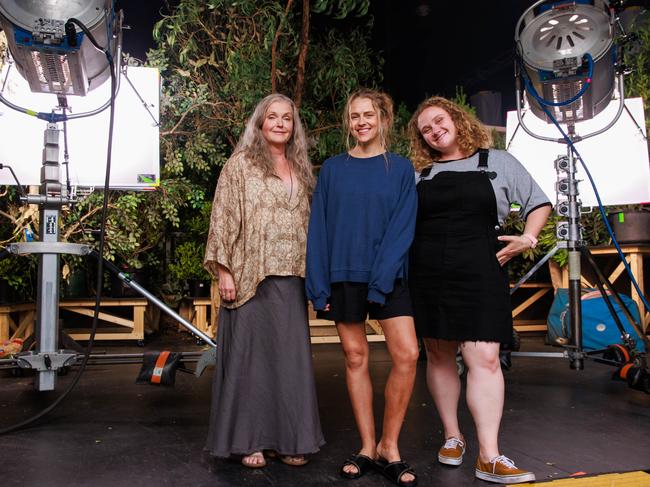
{"points": [[112, 432]]}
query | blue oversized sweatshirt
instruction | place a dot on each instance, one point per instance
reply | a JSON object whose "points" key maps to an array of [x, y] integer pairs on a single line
{"points": [[361, 225]]}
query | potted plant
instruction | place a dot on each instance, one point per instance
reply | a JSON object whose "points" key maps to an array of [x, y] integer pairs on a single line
{"points": [[188, 266]]}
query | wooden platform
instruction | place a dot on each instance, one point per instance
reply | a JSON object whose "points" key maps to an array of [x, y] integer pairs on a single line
{"points": [[202, 313], [18, 320], [535, 291], [634, 256]]}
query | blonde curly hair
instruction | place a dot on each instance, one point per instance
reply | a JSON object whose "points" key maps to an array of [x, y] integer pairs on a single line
{"points": [[471, 134]]}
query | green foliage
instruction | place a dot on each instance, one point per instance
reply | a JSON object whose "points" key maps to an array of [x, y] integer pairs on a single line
{"points": [[637, 83], [340, 9], [462, 99], [216, 59], [20, 274], [593, 233], [188, 262]]}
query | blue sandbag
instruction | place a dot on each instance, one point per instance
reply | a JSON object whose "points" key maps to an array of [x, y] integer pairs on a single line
{"points": [[599, 329]]}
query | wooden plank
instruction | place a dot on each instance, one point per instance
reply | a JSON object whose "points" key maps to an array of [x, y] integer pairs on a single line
{"points": [[335, 339], [138, 322], [374, 324], [101, 335], [525, 328], [104, 302], [201, 316], [5, 320], [318, 322], [536, 296], [533, 285], [102, 316], [25, 326]]}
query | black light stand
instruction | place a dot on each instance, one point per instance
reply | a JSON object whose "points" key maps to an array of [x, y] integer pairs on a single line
{"points": [[555, 42]]}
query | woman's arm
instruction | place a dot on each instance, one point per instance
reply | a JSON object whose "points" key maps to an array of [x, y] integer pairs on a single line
{"points": [[516, 244], [396, 242], [317, 275]]}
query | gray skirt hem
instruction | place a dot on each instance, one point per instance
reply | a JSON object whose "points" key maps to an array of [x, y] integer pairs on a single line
{"points": [[237, 451]]}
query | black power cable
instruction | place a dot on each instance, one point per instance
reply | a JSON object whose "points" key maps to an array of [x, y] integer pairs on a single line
{"points": [[100, 269]]}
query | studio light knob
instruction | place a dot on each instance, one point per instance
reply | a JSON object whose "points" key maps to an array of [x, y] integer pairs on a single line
{"points": [[562, 231], [563, 208], [562, 164]]}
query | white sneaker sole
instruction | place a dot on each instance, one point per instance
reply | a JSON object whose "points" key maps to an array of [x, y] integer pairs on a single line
{"points": [[505, 479], [450, 460]]}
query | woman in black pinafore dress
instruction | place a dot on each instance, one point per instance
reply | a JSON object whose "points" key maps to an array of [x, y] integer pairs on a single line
{"points": [[458, 284]]}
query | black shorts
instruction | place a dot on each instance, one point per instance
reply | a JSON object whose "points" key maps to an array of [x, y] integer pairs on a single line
{"points": [[349, 303]]}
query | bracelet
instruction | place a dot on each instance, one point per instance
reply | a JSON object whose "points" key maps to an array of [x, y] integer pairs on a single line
{"points": [[533, 240]]}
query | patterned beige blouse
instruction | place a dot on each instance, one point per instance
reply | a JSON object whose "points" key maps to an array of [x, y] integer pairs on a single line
{"points": [[255, 229]]}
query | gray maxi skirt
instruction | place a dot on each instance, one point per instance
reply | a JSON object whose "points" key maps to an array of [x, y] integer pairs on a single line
{"points": [[263, 390]]}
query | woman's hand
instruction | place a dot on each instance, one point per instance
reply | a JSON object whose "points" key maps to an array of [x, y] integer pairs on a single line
{"points": [[227, 289], [516, 244]]}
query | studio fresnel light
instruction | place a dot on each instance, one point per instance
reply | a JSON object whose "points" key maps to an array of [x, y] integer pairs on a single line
{"points": [[51, 57], [564, 48]]}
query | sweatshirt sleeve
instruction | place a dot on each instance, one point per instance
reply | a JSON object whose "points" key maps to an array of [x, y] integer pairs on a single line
{"points": [[394, 247], [225, 220], [317, 277]]}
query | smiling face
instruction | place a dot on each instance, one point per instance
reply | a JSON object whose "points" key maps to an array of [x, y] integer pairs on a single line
{"points": [[278, 123], [364, 121], [439, 132]]}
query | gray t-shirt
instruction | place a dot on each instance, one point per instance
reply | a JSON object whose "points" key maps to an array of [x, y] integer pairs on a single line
{"points": [[512, 184]]}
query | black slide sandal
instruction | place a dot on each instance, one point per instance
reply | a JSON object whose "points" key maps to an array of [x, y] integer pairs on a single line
{"points": [[394, 471], [362, 463]]}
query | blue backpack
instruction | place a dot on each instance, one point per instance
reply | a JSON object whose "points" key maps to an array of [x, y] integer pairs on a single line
{"points": [[599, 329]]}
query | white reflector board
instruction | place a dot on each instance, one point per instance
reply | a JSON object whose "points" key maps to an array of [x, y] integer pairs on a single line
{"points": [[136, 156], [617, 159]]}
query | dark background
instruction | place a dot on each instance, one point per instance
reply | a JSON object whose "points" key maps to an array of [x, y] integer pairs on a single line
{"points": [[430, 46]]}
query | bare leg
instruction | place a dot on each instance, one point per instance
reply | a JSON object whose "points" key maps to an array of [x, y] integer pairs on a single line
{"points": [[444, 383], [485, 391], [403, 348], [357, 375]]}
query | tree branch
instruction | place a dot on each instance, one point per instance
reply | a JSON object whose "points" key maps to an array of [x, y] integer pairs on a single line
{"points": [[302, 55], [274, 48]]}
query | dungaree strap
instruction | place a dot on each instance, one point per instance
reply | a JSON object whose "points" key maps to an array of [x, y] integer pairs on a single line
{"points": [[483, 163], [483, 159]]}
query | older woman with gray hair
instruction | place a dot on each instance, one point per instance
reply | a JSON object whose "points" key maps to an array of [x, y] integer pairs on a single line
{"points": [[263, 396]]}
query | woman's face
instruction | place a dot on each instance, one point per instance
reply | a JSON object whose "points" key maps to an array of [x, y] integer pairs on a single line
{"points": [[278, 123], [364, 121], [438, 130]]}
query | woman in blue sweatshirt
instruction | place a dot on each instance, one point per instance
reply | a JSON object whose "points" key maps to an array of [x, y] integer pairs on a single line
{"points": [[361, 227]]}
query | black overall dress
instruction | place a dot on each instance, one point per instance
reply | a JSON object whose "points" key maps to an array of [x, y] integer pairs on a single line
{"points": [[458, 288]]}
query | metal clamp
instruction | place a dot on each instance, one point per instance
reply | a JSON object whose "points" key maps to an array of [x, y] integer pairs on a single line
{"points": [[23, 248], [43, 361]]}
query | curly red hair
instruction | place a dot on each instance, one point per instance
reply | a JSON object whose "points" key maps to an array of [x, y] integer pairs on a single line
{"points": [[471, 134]]}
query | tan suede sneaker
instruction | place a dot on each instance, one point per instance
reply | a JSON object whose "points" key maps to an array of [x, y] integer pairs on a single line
{"points": [[451, 453], [503, 471]]}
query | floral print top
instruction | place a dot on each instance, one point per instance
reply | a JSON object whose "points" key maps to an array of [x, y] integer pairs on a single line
{"points": [[256, 230]]}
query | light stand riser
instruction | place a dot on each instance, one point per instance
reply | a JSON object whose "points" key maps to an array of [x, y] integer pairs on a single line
{"points": [[47, 318]]}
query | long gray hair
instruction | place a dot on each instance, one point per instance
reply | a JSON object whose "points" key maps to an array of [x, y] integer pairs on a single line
{"points": [[256, 149]]}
